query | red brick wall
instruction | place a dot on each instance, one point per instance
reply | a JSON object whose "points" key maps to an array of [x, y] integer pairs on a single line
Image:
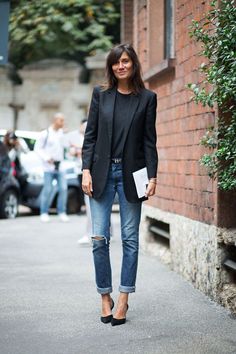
{"points": [[183, 186], [127, 21], [155, 20], [140, 31]]}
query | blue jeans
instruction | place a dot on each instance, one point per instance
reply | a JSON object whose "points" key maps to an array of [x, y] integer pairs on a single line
{"points": [[130, 218], [46, 193]]}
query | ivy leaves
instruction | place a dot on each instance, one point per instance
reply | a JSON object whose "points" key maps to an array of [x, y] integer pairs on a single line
{"points": [[217, 34]]}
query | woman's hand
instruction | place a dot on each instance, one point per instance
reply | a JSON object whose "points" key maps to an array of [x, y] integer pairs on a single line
{"points": [[87, 185], [150, 188]]}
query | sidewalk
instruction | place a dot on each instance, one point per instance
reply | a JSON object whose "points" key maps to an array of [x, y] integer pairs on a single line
{"points": [[49, 305]]}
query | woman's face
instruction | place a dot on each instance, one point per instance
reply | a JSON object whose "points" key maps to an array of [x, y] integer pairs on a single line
{"points": [[123, 68]]}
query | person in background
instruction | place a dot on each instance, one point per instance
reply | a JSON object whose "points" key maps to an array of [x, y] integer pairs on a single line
{"points": [[14, 150], [5, 162], [50, 147], [75, 141], [12, 144]]}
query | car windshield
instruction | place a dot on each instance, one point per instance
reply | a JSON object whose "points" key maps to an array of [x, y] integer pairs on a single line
{"points": [[30, 143]]}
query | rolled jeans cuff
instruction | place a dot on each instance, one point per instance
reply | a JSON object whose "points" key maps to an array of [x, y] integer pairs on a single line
{"points": [[126, 289], [104, 290]]}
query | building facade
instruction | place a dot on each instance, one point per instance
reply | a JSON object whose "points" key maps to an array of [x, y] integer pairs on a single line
{"points": [[189, 223], [48, 86]]}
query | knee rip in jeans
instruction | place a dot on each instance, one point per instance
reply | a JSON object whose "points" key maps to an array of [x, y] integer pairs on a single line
{"points": [[99, 238]]}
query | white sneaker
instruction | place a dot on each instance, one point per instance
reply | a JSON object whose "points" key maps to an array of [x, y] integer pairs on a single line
{"points": [[44, 217], [85, 240], [63, 217]]}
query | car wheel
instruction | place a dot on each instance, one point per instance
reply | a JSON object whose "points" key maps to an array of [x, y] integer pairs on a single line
{"points": [[74, 201], [9, 205]]}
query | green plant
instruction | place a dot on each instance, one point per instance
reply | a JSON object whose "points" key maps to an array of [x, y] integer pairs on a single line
{"points": [[70, 29], [217, 35]]}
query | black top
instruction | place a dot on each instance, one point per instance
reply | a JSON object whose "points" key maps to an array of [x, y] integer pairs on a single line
{"points": [[121, 112]]}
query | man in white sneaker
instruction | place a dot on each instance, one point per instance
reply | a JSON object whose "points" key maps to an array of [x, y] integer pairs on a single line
{"points": [[50, 147]]}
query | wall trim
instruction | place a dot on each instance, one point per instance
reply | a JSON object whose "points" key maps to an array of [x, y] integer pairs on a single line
{"points": [[166, 66]]}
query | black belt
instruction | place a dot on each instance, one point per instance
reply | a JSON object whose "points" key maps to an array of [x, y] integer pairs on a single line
{"points": [[116, 160]]}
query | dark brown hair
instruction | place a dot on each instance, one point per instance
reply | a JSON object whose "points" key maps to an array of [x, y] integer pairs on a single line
{"points": [[136, 82], [10, 135]]}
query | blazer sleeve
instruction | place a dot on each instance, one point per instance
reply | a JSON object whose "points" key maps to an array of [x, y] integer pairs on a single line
{"points": [[150, 137], [90, 136]]}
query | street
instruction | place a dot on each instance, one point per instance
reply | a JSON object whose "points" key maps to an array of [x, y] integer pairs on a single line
{"points": [[49, 303]]}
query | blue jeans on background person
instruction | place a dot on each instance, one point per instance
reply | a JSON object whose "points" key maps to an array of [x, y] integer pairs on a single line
{"points": [[47, 189], [130, 214]]}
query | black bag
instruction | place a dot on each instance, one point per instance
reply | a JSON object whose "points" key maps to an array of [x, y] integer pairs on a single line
{"points": [[57, 165]]}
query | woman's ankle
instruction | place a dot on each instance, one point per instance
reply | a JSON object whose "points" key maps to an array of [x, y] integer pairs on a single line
{"points": [[106, 297], [123, 299]]}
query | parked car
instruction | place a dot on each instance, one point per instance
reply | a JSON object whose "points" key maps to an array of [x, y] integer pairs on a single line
{"points": [[9, 187], [30, 191]]}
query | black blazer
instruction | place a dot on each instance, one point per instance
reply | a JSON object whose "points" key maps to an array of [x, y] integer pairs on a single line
{"points": [[140, 143]]}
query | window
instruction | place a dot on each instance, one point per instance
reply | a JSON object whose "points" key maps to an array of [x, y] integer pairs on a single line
{"points": [[160, 41], [169, 29], [149, 26]]}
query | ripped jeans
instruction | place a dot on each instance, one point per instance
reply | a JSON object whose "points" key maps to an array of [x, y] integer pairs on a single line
{"points": [[130, 218]]}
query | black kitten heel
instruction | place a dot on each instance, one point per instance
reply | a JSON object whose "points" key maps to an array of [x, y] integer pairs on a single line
{"points": [[118, 321], [108, 319]]}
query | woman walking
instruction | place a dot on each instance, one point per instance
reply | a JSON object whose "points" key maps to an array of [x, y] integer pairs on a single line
{"points": [[120, 139]]}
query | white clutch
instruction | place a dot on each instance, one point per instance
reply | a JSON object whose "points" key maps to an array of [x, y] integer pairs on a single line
{"points": [[141, 181]]}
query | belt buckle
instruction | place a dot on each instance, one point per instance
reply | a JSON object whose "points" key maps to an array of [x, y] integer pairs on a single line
{"points": [[117, 160]]}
